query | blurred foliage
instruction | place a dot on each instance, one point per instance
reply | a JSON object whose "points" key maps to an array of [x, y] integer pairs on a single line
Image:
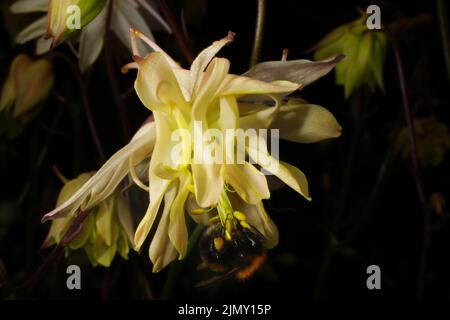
{"points": [[432, 140]]}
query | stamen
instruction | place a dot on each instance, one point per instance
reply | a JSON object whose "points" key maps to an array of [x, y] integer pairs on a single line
{"points": [[244, 224], [213, 219], [240, 216], [229, 226], [133, 35]]}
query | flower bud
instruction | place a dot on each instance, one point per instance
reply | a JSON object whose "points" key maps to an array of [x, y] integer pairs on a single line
{"points": [[28, 83], [68, 16]]}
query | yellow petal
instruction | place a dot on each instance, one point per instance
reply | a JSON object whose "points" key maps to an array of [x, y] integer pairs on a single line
{"points": [[261, 119], [158, 186], [209, 86], [102, 253], [57, 230], [161, 250], [156, 84], [208, 183], [287, 173], [204, 57], [106, 223], [249, 182], [178, 233], [158, 189], [18, 67], [192, 207], [87, 228], [306, 123], [123, 245]]}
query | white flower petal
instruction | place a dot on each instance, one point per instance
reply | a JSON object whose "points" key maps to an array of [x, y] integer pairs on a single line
{"points": [[202, 60], [35, 30], [104, 182], [306, 123]]}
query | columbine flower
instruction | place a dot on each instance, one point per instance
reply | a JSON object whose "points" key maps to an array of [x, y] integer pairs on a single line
{"points": [[28, 84], [106, 231], [231, 193], [125, 13], [364, 51]]}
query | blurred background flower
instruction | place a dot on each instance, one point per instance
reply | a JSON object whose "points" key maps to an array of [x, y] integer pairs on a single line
{"points": [[125, 14], [106, 231], [432, 140], [364, 51], [27, 85]]}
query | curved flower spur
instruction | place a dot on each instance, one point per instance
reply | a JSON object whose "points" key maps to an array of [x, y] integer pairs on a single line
{"points": [[226, 195]]}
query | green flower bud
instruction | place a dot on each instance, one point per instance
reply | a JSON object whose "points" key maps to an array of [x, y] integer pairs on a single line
{"points": [[106, 231], [28, 83], [68, 16], [365, 52]]}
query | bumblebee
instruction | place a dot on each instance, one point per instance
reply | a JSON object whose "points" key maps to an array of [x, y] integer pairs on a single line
{"points": [[236, 249]]}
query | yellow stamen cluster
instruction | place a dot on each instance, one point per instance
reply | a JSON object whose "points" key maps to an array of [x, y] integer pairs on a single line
{"points": [[228, 217]]}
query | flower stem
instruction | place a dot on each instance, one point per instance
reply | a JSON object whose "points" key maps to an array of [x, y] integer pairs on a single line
{"points": [[443, 26], [112, 79], [179, 35], [259, 32], [414, 161], [84, 101], [73, 231]]}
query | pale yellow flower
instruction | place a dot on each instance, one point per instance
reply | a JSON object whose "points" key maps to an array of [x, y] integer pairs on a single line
{"points": [[209, 94]]}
